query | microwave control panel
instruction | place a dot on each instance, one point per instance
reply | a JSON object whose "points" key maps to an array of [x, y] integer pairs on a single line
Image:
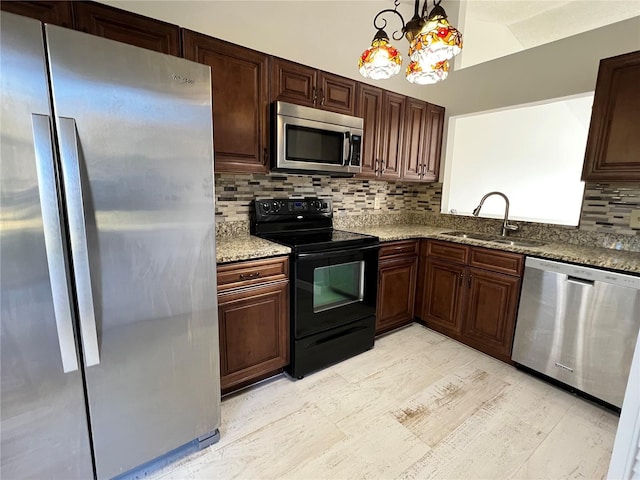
{"points": [[356, 147]]}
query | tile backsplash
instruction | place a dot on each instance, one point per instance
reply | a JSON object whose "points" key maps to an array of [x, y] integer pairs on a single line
{"points": [[604, 218], [350, 196], [607, 208]]}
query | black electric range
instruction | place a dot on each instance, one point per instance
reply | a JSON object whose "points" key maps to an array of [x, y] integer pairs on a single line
{"points": [[333, 280]]}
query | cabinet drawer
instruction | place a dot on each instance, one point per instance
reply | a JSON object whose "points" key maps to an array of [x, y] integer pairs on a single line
{"points": [[497, 261], [405, 247], [448, 251], [249, 273]]}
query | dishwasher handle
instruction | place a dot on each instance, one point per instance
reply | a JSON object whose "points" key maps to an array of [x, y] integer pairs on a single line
{"points": [[581, 281]]}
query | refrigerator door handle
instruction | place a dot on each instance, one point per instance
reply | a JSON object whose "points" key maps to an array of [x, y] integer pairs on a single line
{"points": [[69, 153], [43, 146]]}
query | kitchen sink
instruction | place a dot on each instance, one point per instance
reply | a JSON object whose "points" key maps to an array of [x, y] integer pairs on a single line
{"points": [[487, 237]]}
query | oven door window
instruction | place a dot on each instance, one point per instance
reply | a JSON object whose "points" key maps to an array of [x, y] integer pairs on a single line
{"points": [[313, 145], [337, 285]]}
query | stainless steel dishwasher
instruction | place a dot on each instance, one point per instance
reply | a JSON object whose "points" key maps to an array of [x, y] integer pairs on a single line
{"points": [[579, 326]]}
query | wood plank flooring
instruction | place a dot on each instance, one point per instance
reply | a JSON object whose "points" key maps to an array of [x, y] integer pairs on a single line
{"points": [[418, 405]]}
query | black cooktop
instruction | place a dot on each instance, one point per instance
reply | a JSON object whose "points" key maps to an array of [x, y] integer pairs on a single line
{"points": [[321, 240], [304, 224]]}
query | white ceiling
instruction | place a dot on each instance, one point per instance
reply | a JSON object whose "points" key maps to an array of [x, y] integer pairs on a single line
{"points": [[494, 28]]}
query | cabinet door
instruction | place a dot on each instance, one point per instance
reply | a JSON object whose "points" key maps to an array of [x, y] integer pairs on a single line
{"points": [[370, 109], [127, 27], [336, 94], [254, 333], [239, 83], [614, 133], [292, 82], [415, 139], [443, 296], [431, 159], [491, 312], [396, 292], [393, 115], [56, 13]]}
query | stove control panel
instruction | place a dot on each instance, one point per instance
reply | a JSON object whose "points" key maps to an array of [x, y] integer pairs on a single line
{"points": [[309, 206]]}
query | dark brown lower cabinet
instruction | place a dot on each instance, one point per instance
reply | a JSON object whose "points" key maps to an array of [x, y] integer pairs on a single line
{"points": [[470, 294], [397, 270], [253, 322]]}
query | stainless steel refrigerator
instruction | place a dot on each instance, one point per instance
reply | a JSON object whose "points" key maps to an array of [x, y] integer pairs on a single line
{"points": [[109, 351]]}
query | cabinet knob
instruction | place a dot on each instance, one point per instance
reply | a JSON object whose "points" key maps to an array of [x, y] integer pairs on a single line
{"points": [[469, 279], [461, 278], [321, 97], [315, 95]]}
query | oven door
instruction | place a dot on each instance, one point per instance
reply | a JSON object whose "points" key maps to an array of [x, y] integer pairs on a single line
{"points": [[333, 288], [304, 144]]}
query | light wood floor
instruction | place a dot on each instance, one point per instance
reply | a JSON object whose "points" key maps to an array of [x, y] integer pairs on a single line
{"points": [[418, 405]]}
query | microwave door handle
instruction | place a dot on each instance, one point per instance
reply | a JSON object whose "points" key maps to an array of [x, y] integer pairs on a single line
{"points": [[347, 149]]}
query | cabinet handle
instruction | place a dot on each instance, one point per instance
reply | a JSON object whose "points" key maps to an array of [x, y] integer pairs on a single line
{"points": [[469, 279], [247, 276], [315, 95], [321, 97], [461, 278], [422, 171], [266, 156], [375, 170], [382, 169]]}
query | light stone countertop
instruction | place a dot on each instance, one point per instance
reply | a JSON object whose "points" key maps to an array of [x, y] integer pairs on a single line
{"points": [[246, 247], [243, 246]]}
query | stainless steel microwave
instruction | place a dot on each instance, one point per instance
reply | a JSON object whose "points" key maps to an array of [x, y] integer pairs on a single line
{"points": [[316, 141]]}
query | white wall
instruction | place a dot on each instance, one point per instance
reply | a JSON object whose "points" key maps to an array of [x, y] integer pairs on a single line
{"points": [[533, 154]]}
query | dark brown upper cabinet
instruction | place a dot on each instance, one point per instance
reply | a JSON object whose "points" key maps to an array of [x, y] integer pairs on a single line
{"points": [[422, 141], [56, 13], [126, 27], [302, 85], [393, 122], [369, 108], [239, 84], [614, 133]]}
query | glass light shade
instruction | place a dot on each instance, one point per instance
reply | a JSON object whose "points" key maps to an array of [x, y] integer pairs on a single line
{"points": [[437, 41], [380, 61], [429, 75]]}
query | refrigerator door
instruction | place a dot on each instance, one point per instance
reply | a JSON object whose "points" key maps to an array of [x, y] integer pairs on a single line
{"points": [[135, 134], [44, 426]]}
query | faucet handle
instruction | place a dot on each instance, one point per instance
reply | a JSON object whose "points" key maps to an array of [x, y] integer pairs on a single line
{"points": [[511, 226]]}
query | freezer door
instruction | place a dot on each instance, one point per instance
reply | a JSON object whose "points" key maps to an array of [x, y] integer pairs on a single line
{"points": [[136, 150], [44, 425]]}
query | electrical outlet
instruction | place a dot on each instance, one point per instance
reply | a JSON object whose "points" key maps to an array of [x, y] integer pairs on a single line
{"points": [[634, 220], [376, 203]]}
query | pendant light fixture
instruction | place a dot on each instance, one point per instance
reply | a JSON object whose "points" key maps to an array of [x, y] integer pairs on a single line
{"points": [[433, 41]]}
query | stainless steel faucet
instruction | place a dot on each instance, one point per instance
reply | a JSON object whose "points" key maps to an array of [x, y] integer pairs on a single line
{"points": [[506, 226]]}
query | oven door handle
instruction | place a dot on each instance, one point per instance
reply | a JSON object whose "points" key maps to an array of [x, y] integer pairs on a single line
{"points": [[333, 253]]}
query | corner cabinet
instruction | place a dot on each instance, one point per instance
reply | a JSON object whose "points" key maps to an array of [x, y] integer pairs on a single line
{"points": [[613, 144], [253, 319], [302, 85], [126, 27], [53, 12], [239, 84], [103, 21], [397, 270], [470, 294]]}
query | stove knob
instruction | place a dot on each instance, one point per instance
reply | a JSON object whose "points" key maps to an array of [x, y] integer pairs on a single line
{"points": [[275, 206], [266, 207], [324, 205]]}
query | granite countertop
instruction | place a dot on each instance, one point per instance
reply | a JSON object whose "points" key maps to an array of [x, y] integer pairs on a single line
{"points": [[593, 256], [243, 246]]}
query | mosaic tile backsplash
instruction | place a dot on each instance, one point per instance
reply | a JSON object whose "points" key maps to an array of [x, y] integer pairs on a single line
{"points": [[604, 219]]}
